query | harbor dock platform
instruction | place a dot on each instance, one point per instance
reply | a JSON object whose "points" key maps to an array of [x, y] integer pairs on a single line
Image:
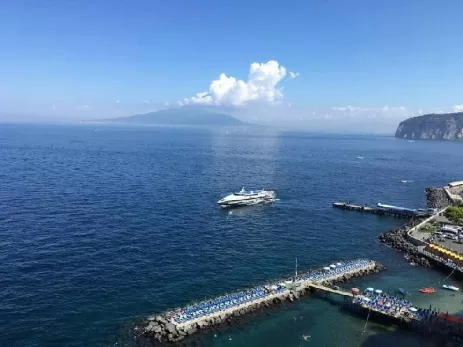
{"points": [[382, 209], [177, 324], [374, 304], [399, 310]]}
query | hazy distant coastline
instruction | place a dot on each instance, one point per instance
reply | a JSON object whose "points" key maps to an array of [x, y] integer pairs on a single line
{"points": [[178, 116]]}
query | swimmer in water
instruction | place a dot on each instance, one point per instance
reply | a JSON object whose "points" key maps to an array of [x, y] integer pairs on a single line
{"points": [[306, 337]]}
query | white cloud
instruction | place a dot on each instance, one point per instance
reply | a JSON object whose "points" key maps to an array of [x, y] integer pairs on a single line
{"points": [[84, 107], [293, 75], [371, 110], [262, 83], [457, 108], [352, 108]]}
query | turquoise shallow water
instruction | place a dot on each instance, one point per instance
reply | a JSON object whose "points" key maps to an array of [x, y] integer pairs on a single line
{"points": [[101, 226]]}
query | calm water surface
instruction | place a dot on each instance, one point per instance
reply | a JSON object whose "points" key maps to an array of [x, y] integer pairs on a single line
{"points": [[101, 226]]}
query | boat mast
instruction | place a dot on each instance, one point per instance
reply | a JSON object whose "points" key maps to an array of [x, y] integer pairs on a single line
{"points": [[296, 270]]}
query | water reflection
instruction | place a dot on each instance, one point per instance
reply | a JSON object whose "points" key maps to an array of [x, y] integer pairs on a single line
{"points": [[246, 156]]}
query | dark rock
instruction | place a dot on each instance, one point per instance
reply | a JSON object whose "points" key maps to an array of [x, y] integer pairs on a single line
{"points": [[161, 320], [151, 326], [191, 329], [170, 328], [182, 333]]}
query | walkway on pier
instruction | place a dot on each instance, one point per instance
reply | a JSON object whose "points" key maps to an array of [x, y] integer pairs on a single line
{"points": [[331, 290], [395, 211], [348, 206]]}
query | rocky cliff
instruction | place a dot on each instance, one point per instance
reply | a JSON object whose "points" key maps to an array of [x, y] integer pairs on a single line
{"points": [[447, 126]]}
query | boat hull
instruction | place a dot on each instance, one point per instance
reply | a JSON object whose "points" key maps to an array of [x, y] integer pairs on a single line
{"points": [[452, 288], [244, 203], [244, 199]]}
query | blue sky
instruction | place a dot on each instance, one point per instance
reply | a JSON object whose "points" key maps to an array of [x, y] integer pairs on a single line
{"points": [[86, 55]]}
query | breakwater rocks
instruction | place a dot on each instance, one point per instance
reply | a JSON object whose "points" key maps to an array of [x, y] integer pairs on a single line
{"points": [[161, 330], [437, 198], [350, 276], [398, 239]]}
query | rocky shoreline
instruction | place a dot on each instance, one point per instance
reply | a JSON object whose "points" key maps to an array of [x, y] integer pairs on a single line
{"points": [[161, 331], [398, 240], [437, 198]]}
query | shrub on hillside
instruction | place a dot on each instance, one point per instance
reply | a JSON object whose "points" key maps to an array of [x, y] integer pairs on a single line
{"points": [[455, 214]]}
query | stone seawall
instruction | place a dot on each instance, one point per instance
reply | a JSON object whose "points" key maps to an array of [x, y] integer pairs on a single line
{"points": [[161, 330]]}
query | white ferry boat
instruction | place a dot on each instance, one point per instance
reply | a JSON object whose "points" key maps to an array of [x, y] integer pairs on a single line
{"points": [[246, 198]]}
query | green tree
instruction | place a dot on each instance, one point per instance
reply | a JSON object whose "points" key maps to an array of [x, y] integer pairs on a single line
{"points": [[455, 214]]}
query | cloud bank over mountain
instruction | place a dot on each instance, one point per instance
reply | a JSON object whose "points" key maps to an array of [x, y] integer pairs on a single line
{"points": [[259, 100]]}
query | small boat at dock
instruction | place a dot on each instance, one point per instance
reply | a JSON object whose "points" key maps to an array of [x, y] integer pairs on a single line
{"points": [[453, 288], [402, 291], [428, 290]]}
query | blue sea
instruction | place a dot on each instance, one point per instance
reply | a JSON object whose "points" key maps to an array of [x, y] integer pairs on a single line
{"points": [[101, 226]]}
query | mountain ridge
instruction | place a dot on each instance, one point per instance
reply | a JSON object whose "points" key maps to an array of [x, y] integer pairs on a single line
{"points": [[180, 116]]}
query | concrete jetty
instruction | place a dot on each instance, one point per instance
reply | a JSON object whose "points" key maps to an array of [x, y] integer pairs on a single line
{"points": [[394, 211], [177, 324]]}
